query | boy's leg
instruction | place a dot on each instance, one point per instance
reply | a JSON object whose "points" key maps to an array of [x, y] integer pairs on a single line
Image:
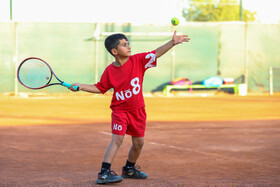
{"points": [[136, 148], [106, 175], [129, 170], [113, 148]]}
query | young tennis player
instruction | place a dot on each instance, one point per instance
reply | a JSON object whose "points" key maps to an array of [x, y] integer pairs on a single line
{"points": [[125, 76]]}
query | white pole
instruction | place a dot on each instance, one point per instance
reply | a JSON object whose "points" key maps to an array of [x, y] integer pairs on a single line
{"points": [[246, 66], [172, 68], [270, 81], [96, 38], [96, 61], [15, 57]]}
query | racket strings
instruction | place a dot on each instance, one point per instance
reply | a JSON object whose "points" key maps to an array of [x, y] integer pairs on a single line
{"points": [[34, 73]]}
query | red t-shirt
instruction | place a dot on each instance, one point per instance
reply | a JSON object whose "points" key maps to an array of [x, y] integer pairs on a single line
{"points": [[127, 81]]}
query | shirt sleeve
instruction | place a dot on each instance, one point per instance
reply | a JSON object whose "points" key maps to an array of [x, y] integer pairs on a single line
{"points": [[104, 84], [149, 60]]}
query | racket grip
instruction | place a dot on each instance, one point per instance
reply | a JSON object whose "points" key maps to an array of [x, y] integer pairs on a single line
{"points": [[68, 85]]}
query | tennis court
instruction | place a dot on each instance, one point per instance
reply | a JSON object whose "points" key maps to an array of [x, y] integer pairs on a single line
{"points": [[59, 140]]}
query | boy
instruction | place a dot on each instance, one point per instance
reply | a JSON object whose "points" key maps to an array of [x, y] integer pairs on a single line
{"points": [[125, 75]]}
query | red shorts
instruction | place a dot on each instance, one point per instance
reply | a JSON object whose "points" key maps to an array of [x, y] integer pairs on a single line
{"points": [[131, 122]]}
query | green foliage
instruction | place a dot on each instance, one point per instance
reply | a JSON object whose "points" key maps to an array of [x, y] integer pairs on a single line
{"points": [[216, 10]]}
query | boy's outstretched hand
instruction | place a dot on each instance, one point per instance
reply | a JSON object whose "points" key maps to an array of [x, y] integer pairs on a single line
{"points": [[178, 39]]}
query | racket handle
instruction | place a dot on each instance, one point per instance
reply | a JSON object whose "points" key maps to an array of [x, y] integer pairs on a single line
{"points": [[68, 85]]}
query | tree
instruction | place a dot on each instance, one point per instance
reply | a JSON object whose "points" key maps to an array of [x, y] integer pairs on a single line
{"points": [[216, 10]]}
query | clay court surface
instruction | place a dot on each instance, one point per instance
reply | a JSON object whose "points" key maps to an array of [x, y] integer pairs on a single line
{"points": [[190, 141]]}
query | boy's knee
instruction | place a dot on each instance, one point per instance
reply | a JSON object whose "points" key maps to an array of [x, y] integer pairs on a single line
{"points": [[138, 144], [117, 140]]}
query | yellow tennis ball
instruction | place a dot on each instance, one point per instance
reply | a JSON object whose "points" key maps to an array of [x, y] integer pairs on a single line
{"points": [[175, 21]]}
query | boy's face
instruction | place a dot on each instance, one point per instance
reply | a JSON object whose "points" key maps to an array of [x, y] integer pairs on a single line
{"points": [[123, 49]]}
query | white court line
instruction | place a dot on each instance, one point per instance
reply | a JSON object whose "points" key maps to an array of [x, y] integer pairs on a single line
{"points": [[106, 133], [212, 154], [188, 149], [201, 152]]}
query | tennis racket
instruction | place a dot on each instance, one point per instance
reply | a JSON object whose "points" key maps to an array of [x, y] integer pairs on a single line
{"points": [[35, 73]]}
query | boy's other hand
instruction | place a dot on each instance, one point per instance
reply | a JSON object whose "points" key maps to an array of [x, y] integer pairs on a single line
{"points": [[178, 39]]}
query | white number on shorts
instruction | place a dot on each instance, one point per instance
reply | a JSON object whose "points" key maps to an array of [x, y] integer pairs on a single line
{"points": [[117, 127]]}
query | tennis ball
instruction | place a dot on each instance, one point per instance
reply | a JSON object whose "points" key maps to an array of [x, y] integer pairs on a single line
{"points": [[175, 21]]}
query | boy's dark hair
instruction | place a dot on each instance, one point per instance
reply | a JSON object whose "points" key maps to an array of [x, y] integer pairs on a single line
{"points": [[112, 41]]}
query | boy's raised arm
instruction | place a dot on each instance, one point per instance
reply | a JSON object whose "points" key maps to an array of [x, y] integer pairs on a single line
{"points": [[175, 40]]}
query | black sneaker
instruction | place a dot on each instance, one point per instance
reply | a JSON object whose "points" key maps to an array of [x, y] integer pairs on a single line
{"points": [[108, 177], [133, 173]]}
